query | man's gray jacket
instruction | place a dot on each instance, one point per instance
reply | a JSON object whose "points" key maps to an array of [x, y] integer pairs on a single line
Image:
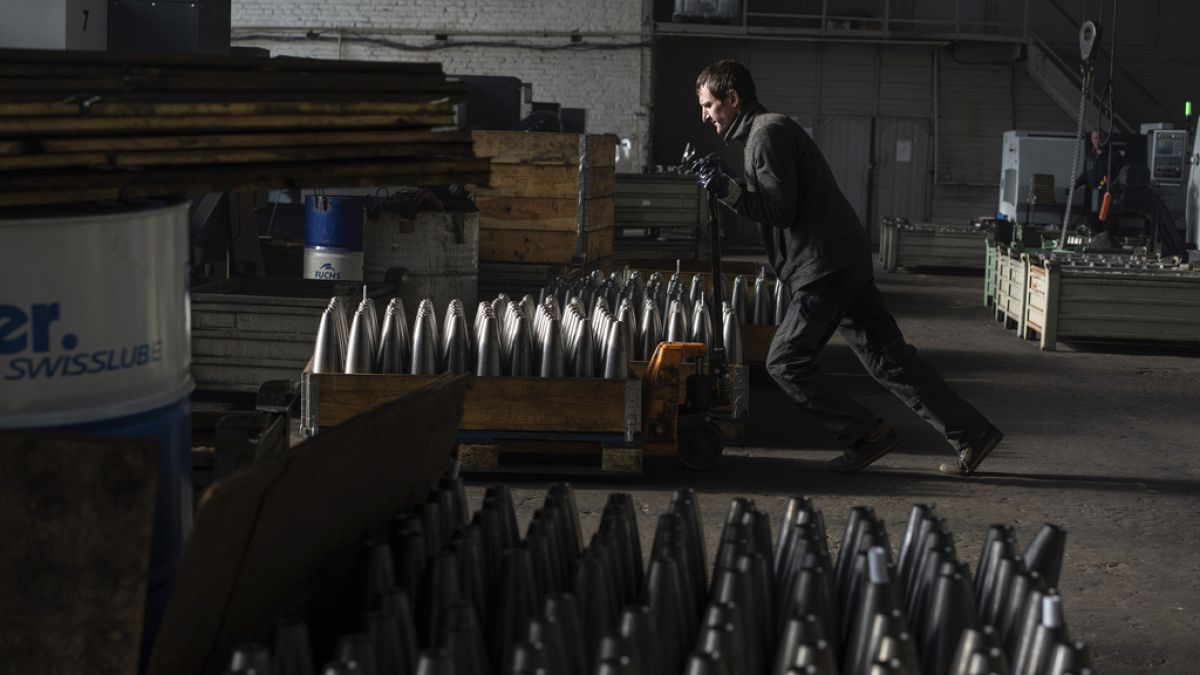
{"points": [[807, 226]]}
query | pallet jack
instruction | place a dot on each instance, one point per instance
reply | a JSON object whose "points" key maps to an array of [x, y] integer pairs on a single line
{"points": [[705, 413]]}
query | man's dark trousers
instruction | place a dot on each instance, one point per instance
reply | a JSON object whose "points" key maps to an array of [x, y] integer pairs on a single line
{"points": [[849, 302]]}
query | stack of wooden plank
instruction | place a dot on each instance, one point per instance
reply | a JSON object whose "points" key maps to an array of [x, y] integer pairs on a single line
{"points": [[532, 211], [95, 126]]}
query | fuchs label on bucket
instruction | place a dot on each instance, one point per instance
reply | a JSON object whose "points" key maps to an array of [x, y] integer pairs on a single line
{"points": [[93, 316], [332, 264]]}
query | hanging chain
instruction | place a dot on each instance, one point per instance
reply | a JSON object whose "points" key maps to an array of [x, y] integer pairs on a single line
{"points": [[1084, 89]]}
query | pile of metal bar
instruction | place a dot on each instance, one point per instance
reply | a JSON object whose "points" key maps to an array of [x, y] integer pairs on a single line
{"points": [[81, 126], [458, 593]]}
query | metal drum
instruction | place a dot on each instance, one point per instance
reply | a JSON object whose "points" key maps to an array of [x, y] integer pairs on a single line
{"points": [[94, 341], [333, 237]]}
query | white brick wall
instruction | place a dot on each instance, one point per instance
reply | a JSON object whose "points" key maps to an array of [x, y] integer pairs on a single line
{"points": [[604, 73], [589, 16]]}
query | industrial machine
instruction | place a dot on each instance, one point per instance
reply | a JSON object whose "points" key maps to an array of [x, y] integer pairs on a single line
{"points": [[1034, 168], [1167, 158]]}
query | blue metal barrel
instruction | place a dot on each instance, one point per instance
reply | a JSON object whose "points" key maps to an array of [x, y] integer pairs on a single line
{"points": [[333, 237], [95, 341]]}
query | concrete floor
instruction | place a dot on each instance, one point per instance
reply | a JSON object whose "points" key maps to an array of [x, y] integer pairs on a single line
{"points": [[1104, 441]]}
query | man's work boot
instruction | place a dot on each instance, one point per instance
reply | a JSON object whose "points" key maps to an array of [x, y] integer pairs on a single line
{"points": [[973, 454], [877, 442]]}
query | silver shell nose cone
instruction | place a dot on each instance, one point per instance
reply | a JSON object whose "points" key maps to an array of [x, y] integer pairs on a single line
{"points": [[616, 354], [731, 334], [487, 359], [424, 343], [395, 344], [702, 325], [553, 361], [762, 301], [327, 352], [677, 328], [456, 355], [651, 330], [361, 356], [738, 298], [783, 298], [583, 361]]}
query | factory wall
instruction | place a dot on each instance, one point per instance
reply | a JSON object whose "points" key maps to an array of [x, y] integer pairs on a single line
{"points": [[581, 54]]}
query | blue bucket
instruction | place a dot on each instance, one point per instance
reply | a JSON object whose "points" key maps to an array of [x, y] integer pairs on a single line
{"points": [[333, 237], [94, 340]]}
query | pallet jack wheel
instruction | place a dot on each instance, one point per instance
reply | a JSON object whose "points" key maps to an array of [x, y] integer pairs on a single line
{"points": [[700, 445]]}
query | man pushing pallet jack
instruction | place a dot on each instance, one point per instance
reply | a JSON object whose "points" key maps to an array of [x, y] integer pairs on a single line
{"points": [[816, 244]]}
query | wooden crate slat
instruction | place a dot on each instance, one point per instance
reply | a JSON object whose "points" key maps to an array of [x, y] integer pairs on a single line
{"points": [[286, 154], [17, 126], [528, 180], [81, 126], [105, 108], [574, 405], [52, 161], [251, 140], [199, 80], [270, 108], [539, 246], [12, 60], [541, 213], [314, 178], [525, 147]]}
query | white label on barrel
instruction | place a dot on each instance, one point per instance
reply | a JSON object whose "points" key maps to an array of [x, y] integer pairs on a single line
{"points": [[93, 316]]}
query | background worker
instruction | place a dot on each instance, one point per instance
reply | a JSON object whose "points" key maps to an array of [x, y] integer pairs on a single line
{"points": [[1096, 177]]}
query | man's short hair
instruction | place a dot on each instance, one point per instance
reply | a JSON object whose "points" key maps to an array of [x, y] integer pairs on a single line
{"points": [[1101, 136], [727, 74]]}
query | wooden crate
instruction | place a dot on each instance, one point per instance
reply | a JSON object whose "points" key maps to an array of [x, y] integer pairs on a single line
{"points": [[502, 415], [1068, 302], [543, 204], [903, 244]]}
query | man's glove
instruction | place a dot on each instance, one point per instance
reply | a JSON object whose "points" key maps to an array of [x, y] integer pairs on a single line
{"points": [[713, 175]]}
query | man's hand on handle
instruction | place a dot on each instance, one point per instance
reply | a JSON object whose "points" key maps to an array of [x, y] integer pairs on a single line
{"points": [[713, 176]]}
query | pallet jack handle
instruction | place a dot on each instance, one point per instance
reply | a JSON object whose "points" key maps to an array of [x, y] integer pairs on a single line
{"points": [[717, 361]]}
